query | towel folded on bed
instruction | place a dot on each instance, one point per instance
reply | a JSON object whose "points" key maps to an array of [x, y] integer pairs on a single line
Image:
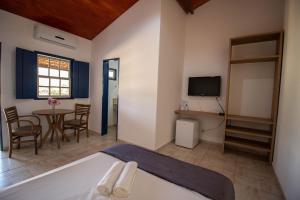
{"points": [[206, 182], [122, 188], [105, 185]]}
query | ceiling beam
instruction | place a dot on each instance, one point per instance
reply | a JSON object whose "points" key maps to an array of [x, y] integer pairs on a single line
{"points": [[198, 3], [187, 6]]}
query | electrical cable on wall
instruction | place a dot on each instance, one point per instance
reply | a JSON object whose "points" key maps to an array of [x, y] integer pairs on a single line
{"points": [[218, 100], [210, 129], [223, 111]]}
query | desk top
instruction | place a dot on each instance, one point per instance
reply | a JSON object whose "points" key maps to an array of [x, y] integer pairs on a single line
{"points": [[198, 113], [52, 112]]}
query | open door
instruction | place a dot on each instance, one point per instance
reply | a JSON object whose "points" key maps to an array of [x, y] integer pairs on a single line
{"points": [[104, 125]]}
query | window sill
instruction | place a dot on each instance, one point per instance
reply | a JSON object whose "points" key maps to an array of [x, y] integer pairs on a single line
{"points": [[46, 98]]}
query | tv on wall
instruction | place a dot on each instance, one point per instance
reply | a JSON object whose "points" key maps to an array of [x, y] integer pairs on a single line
{"points": [[204, 86]]}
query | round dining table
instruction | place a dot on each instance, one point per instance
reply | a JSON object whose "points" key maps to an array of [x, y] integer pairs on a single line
{"points": [[54, 118]]}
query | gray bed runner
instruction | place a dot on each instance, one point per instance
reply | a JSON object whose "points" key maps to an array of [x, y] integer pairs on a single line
{"points": [[206, 182]]}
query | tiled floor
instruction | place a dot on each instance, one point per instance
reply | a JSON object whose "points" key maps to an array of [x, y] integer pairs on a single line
{"points": [[24, 164], [253, 179]]}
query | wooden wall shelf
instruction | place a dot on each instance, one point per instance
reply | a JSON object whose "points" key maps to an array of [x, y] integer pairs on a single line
{"points": [[248, 132], [259, 120], [255, 60], [248, 144], [256, 38], [198, 113]]}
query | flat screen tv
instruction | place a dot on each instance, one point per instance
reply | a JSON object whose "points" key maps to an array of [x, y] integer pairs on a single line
{"points": [[204, 86]]}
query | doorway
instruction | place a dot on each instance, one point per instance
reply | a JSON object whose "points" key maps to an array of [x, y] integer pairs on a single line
{"points": [[110, 97]]}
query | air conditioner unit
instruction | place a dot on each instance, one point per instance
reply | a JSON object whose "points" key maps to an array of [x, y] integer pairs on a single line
{"points": [[55, 36]]}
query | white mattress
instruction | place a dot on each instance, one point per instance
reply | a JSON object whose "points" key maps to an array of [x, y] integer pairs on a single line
{"points": [[75, 180]]}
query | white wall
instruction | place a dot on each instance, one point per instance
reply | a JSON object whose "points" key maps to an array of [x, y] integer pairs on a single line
{"points": [[153, 40], [286, 156], [207, 41], [113, 89], [171, 52], [134, 38], [251, 89], [15, 32]]}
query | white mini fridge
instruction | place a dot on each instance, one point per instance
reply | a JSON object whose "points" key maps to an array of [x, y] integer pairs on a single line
{"points": [[187, 133]]}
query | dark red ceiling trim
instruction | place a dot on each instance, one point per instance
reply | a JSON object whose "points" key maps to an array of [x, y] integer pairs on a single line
{"points": [[186, 5], [198, 3], [190, 5]]}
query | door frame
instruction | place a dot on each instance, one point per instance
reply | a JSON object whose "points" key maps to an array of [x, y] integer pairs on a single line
{"points": [[105, 95]]}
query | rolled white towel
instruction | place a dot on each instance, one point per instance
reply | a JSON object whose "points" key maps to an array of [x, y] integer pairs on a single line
{"points": [[105, 185], [124, 183], [92, 194]]}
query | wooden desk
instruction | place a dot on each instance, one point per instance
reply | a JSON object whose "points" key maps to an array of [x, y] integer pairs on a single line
{"points": [[194, 113], [54, 118]]}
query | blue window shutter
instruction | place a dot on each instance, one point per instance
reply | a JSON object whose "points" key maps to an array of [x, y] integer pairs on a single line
{"points": [[80, 79], [83, 89], [75, 79], [26, 74], [19, 72]]}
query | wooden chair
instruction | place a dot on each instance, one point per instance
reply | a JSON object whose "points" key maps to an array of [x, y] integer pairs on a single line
{"points": [[80, 122], [17, 132]]}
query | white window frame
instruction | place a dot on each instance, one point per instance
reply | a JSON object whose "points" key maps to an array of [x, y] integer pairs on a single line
{"points": [[54, 77], [114, 73]]}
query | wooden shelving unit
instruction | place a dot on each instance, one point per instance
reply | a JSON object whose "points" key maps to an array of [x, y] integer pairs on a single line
{"points": [[195, 113], [251, 138]]}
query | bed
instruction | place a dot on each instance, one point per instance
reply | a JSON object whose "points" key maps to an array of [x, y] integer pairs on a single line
{"points": [[75, 180]]}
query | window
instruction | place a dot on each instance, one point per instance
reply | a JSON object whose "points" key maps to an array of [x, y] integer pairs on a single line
{"points": [[53, 77], [112, 74]]}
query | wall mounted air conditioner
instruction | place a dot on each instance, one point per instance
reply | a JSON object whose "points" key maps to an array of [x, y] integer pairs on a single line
{"points": [[55, 36]]}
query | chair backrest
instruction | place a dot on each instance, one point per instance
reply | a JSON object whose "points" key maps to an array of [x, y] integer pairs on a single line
{"points": [[11, 115], [82, 110]]}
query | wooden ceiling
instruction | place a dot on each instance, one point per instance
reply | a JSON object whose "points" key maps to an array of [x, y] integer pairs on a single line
{"points": [[85, 18]]}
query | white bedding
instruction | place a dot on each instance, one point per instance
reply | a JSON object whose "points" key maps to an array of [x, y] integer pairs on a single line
{"points": [[75, 180]]}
